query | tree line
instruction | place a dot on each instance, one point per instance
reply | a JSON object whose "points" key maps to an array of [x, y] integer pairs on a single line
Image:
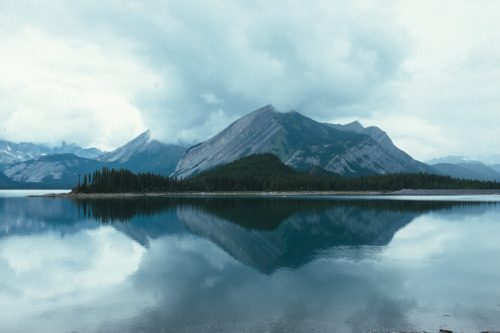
{"points": [[119, 181], [265, 172]]}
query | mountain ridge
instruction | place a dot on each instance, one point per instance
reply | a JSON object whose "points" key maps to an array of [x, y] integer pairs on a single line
{"points": [[300, 142], [62, 169], [466, 168], [142, 154], [11, 152]]}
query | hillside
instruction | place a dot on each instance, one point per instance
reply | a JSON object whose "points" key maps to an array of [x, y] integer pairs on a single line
{"points": [[265, 172], [5, 182], [58, 169], [251, 173]]}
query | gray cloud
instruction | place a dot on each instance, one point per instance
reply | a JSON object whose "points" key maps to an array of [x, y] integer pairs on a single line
{"points": [[321, 58], [99, 73]]}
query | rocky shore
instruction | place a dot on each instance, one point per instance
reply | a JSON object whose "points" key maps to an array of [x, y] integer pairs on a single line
{"points": [[446, 192], [405, 192]]}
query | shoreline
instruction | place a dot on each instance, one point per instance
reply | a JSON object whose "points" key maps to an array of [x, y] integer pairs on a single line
{"points": [[404, 192]]}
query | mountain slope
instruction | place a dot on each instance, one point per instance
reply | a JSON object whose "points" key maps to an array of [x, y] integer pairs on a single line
{"points": [[145, 155], [71, 148], [485, 171], [5, 182], [467, 171], [495, 167], [61, 169], [451, 160], [385, 142], [299, 142], [465, 168]]}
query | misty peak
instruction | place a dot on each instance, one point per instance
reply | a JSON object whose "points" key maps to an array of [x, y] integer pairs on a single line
{"points": [[355, 127], [123, 153], [268, 109], [145, 135]]}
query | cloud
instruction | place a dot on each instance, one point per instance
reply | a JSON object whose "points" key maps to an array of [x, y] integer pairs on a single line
{"points": [[319, 59], [454, 69], [210, 98], [100, 73], [146, 64], [56, 88]]}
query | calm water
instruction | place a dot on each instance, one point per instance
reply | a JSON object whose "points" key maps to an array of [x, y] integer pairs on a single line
{"points": [[249, 264]]}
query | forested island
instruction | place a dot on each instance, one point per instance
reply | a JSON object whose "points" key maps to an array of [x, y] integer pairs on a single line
{"points": [[265, 172]]}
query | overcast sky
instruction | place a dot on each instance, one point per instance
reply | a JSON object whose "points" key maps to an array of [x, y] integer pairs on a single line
{"points": [[98, 73]]}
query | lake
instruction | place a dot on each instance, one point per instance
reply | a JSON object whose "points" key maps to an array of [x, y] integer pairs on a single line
{"points": [[247, 264]]}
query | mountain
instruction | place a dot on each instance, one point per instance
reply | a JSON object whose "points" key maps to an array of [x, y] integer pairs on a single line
{"points": [[145, 155], [485, 171], [355, 126], [386, 143], [60, 169], [75, 149], [5, 182], [465, 168], [300, 143], [495, 167], [492, 160], [11, 152], [55, 166], [467, 171], [452, 160], [489, 161]]}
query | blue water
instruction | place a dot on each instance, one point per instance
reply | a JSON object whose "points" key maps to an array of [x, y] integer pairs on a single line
{"points": [[249, 264]]}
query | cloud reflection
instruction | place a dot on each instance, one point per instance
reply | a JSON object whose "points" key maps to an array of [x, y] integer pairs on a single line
{"points": [[49, 276]]}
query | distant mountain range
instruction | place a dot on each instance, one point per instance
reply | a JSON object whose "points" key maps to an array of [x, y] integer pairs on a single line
{"points": [[348, 150], [139, 155], [11, 152], [463, 167], [60, 169]]}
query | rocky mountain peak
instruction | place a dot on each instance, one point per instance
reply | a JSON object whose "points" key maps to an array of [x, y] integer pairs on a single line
{"points": [[250, 134], [355, 127], [299, 142], [123, 153]]}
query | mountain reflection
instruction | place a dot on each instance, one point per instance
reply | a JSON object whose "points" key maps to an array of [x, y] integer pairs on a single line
{"points": [[268, 233]]}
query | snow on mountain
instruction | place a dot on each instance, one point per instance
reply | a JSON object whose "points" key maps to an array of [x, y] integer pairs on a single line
{"points": [[40, 164], [11, 152]]}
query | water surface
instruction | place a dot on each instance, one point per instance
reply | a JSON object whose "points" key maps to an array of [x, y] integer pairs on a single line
{"points": [[250, 264]]}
